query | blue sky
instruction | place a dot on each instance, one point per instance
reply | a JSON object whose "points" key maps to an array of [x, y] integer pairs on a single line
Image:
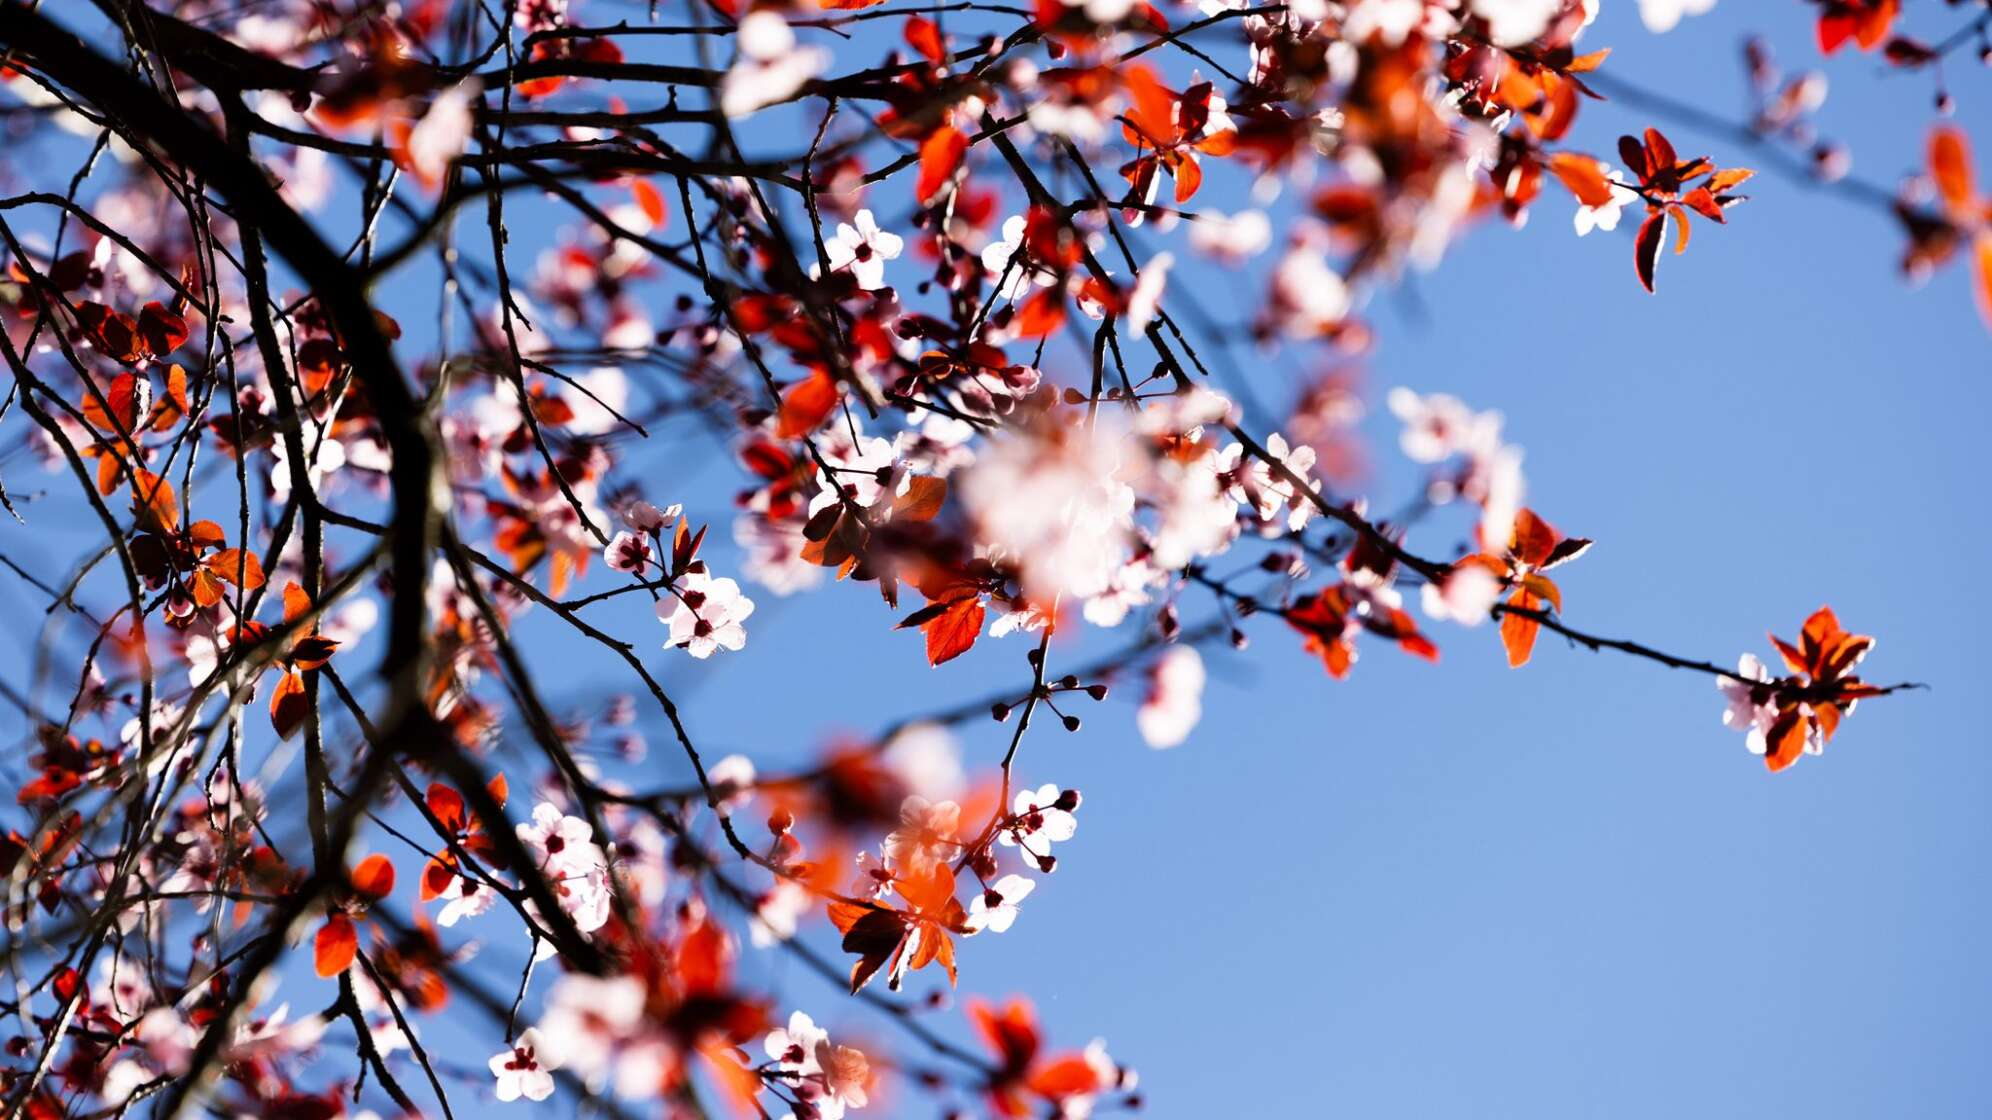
{"points": [[1457, 890]]}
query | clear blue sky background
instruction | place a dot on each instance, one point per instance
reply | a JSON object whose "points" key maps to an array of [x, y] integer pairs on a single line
{"points": [[1568, 891]]}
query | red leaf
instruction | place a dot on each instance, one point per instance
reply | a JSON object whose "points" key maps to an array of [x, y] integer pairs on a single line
{"points": [[447, 805], [336, 945], [806, 404], [924, 35], [1659, 153], [940, 156], [1041, 314]]}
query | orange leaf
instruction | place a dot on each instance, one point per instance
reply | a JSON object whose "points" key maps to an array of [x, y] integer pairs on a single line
{"points": [[1585, 63], [649, 200], [129, 397], [1950, 167], [1518, 632], [1584, 176], [1982, 251], [236, 566], [1723, 180], [296, 602], [374, 877]]}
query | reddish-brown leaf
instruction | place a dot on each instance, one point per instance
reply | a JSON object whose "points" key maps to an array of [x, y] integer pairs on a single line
{"points": [[951, 632], [1786, 740], [153, 502], [288, 705], [1646, 248], [923, 498], [1702, 202], [161, 330]]}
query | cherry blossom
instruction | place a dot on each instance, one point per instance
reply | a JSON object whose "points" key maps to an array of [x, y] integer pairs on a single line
{"points": [[628, 552], [440, 136], [1606, 216], [1239, 237], [588, 1021], [705, 615], [995, 909], [863, 248], [1174, 702], [1464, 596], [1514, 23], [1750, 707], [1054, 505], [1146, 298], [1040, 818], [1664, 15], [827, 1079], [519, 1071], [770, 67]]}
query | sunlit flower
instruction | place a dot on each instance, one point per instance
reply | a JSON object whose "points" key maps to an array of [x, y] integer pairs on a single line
{"points": [[863, 248], [705, 615], [519, 1071], [996, 908]]}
